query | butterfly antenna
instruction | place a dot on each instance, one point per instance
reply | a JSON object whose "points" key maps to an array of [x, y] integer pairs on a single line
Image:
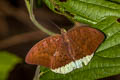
{"points": [[54, 24]]}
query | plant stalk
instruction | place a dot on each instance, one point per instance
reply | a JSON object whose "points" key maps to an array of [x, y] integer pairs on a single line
{"points": [[29, 5]]}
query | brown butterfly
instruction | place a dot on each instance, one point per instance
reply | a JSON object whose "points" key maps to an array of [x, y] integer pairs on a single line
{"points": [[67, 51]]}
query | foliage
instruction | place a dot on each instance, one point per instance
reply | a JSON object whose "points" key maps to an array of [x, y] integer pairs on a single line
{"points": [[86, 11], [7, 62]]}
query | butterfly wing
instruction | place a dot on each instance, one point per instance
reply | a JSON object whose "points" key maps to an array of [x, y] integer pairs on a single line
{"points": [[49, 52], [41, 53], [52, 52], [84, 42]]}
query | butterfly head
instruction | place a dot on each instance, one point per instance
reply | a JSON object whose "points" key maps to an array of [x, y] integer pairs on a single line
{"points": [[63, 31]]}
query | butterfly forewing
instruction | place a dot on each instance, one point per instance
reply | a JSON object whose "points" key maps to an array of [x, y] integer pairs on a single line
{"points": [[42, 52], [50, 52]]}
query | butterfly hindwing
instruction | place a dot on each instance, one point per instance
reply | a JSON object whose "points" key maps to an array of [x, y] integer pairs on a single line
{"points": [[84, 40]]}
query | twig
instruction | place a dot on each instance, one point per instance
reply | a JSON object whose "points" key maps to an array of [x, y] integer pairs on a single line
{"points": [[32, 17], [37, 72]]}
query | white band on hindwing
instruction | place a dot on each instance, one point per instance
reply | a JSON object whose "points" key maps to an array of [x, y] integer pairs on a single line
{"points": [[73, 65]]}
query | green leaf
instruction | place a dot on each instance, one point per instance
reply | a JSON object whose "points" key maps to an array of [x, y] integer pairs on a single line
{"points": [[103, 15], [50, 4], [86, 11], [106, 61], [111, 28], [7, 62]]}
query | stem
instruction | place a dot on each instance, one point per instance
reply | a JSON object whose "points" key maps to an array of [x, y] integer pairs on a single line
{"points": [[37, 72], [29, 5]]}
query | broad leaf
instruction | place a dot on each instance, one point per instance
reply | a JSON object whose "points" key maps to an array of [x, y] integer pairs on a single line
{"points": [[7, 62], [99, 14], [87, 11], [111, 46], [106, 61]]}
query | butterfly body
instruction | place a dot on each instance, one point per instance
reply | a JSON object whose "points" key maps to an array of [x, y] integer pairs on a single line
{"points": [[68, 51]]}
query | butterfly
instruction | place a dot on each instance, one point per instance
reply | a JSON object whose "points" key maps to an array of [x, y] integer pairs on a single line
{"points": [[64, 52]]}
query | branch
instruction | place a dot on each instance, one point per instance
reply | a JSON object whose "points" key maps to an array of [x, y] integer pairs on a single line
{"points": [[29, 6]]}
